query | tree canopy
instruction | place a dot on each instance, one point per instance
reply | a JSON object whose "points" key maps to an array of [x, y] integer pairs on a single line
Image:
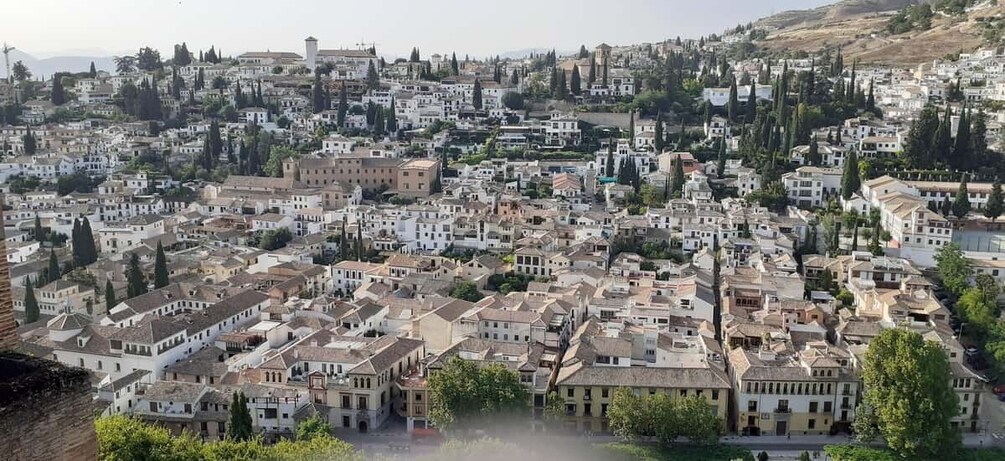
{"points": [[464, 394], [908, 385]]}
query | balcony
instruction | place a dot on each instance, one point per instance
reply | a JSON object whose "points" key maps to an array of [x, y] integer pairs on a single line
{"points": [[846, 406], [785, 410]]}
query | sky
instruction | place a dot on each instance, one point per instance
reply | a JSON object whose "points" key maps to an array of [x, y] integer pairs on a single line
{"points": [[480, 28]]}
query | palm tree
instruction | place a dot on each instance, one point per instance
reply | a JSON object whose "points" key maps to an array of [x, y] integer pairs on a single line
{"points": [[125, 64]]}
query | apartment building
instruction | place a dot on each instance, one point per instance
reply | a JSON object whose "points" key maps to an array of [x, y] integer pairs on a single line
{"points": [[600, 360], [778, 390]]}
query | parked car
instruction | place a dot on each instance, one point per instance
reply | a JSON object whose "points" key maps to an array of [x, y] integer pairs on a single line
{"points": [[999, 389]]}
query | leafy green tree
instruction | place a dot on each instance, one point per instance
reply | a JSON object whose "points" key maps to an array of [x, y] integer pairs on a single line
{"points": [[513, 100], [20, 71], [314, 427], [995, 206], [467, 291], [149, 59], [31, 311], [160, 267], [909, 383], [961, 202], [850, 181], [239, 424], [979, 312], [464, 394], [277, 155], [137, 282], [110, 300]]}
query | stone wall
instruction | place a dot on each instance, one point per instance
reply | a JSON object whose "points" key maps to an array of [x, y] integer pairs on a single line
{"points": [[46, 411]]}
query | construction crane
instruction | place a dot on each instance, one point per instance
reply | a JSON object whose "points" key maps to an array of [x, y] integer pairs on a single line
{"points": [[6, 57]]}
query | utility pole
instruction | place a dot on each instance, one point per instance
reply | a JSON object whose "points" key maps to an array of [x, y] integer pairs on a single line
{"points": [[6, 57]]}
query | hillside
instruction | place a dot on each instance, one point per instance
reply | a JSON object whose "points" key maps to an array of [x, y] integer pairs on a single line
{"points": [[859, 28]]}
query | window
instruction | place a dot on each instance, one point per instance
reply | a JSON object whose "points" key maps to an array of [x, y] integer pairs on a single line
{"points": [[715, 394], [813, 407], [571, 392], [827, 407], [811, 424], [752, 405]]}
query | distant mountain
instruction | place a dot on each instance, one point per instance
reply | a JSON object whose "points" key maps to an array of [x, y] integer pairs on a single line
{"points": [[859, 27], [518, 54], [48, 66]]}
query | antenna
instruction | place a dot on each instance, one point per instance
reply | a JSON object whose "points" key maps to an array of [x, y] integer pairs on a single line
{"points": [[6, 57]]}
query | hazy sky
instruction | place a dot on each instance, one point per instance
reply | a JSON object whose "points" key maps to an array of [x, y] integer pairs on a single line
{"points": [[477, 27]]}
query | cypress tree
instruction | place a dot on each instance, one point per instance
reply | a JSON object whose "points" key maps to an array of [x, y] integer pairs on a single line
{"points": [[995, 205], [943, 141], [372, 79], [92, 72], [631, 129], [751, 109], [721, 166], [78, 258], [561, 89], [343, 106], [29, 141], [591, 76], [110, 301], [813, 156], [870, 101], [160, 267], [658, 133], [609, 166], [978, 138], [391, 121], [39, 232], [54, 271], [575, 86], [850, 181], [947, 207], [961, 203], [732, 106], [960, 159], [317, 94], [31, 311], [134, 276], [454, 69], [58, 95], [240, 418], [476, 97], [90, 252], [677, 183]]}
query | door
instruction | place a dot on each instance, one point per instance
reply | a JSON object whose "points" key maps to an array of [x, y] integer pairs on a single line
{"points": [[362, 427], [346, 422], [781, 427]]}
